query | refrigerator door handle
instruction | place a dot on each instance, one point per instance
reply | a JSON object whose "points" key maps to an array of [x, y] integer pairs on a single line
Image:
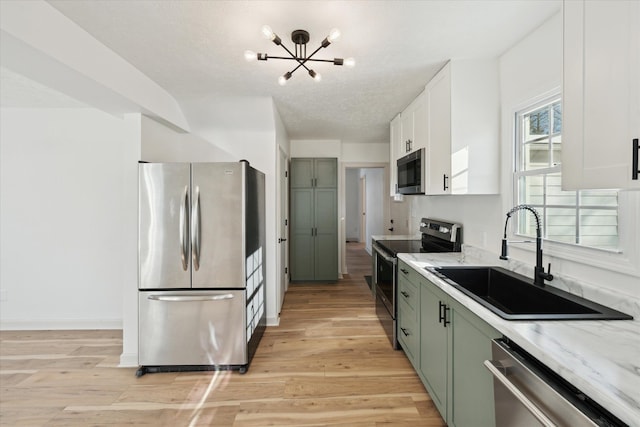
{"points": [[188, 298], [184, 234], [195, 230]]}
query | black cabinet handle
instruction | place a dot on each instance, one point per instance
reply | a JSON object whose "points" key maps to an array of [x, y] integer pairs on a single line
{"points": [[404, 271], [446, 317], [444, 182], [404, 294], [404, 331], [634, 169], [443, 309]]}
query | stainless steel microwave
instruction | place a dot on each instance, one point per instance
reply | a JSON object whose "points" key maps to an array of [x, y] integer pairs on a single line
{"points": [[411, 176]]}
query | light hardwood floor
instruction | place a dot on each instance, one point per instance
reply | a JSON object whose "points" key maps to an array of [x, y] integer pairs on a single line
{"points": [[328, 363]]}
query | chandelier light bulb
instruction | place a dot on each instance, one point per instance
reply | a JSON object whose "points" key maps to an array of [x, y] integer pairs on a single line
{"points": [[350, 62], [333, 35], [268, 32], [250, 55], [282, 80], [316, 76]]}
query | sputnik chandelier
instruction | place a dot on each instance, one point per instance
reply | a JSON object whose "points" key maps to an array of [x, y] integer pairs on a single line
{"points": [[300, 38]]}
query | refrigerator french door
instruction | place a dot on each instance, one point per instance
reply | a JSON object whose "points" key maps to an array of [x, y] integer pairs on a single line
{"points": [[201, 265]]}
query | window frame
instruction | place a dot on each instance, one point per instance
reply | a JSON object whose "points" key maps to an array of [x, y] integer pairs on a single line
{"points": [[517, 173]]}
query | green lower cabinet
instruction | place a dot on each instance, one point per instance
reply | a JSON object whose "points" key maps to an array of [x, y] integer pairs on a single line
{"points": [[454, 343], [433, 344], [409, 320], [470, 397]]}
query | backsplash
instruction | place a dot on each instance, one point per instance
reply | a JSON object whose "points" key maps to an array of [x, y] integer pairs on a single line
{"points": [[628, 304]]}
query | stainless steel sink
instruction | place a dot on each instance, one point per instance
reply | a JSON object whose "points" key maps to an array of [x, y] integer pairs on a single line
{"points": [[515, 297]]}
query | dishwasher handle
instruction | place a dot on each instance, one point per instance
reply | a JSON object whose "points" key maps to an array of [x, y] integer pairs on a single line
{"points": [[495, 368]]}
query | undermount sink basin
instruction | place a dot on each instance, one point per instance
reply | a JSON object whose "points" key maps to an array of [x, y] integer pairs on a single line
{"points": [[515, 297]]}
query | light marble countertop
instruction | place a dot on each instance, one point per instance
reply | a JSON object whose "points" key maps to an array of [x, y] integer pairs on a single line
{"points": [[601, 358]]}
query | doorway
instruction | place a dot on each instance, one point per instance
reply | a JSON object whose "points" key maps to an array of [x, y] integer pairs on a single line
{"points": [[365, 205]]}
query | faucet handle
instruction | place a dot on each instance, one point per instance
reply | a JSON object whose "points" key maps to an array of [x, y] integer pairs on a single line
{"points": [[548, 275]]}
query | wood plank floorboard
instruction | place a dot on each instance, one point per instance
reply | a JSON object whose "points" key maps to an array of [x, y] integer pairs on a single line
{"points": [[328, 363]]}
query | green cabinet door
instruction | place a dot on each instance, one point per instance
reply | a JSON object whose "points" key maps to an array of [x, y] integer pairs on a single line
{"points": [[326, 173], [434, 344], [302, 173], [326, 236], [471, 402], [302, 232], [409, 320]]}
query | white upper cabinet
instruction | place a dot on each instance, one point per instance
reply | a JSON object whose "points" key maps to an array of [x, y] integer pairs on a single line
{"points": [[601, 94], [462, 128], [394, 147], [414, 131]]}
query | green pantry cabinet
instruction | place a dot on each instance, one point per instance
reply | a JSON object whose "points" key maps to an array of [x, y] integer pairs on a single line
{"points": [[314, 219], [447, 345]]}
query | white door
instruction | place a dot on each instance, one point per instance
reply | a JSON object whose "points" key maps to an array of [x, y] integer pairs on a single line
{"points": [[363, 209], [283, 214]]}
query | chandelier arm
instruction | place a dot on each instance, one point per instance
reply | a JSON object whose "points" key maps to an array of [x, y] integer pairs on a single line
{"points": [[314, 52], [318, 60]]}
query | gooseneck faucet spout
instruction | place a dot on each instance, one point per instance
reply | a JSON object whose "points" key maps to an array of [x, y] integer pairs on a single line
{"points": [[539, 275]]}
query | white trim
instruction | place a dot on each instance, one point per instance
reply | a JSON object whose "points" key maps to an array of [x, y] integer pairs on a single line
{"points": [[128, 360], [273, 321], [59, 324]]}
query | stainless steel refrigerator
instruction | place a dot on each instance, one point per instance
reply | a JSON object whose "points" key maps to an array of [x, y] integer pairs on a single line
{"points": [[201, 265]]}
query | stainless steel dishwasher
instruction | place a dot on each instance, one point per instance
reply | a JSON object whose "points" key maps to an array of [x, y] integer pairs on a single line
{"points": [[527, 393]]}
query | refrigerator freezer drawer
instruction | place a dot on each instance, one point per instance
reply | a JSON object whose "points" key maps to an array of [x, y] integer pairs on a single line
{"points": [[192, 328]]}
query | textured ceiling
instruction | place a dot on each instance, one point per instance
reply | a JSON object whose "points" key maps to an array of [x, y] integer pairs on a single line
{"points": [[194, 49]]}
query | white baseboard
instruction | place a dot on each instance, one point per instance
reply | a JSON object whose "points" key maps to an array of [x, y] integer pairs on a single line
{"points": [[59, 324], [273, 321], [128, 360]]}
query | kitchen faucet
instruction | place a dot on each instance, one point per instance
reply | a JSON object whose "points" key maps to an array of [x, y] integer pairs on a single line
{"points": [[539, 275]]}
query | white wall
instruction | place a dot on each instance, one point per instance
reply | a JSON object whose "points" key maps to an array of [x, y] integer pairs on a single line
{"points": [[376, 192], [162, 144], [66, 211], [358, 152], [316, 148]]}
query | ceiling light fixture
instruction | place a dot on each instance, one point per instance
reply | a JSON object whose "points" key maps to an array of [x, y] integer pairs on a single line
{"points": [[300, 38]]}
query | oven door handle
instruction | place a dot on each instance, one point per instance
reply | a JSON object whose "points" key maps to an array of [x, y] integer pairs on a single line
{"points": [[493, 367], [383, 255]]}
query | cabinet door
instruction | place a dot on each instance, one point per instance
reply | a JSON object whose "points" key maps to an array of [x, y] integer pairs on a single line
{"points": [[302, 173], [419, 112], [326, 234], [302, 230], [394, 153], [601, 93], [433, 345], [471, 401], [406, 120], [409, 320], [326, 173], [438, 99]]}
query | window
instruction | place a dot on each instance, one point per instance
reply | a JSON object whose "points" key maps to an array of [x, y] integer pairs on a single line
{"points": [[587, 218]]}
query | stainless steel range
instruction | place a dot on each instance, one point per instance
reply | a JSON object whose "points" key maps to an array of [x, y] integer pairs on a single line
{"points": [[437, 236]]}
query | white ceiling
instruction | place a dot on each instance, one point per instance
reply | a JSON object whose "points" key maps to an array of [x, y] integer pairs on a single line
{"points": [[194, 50]]}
